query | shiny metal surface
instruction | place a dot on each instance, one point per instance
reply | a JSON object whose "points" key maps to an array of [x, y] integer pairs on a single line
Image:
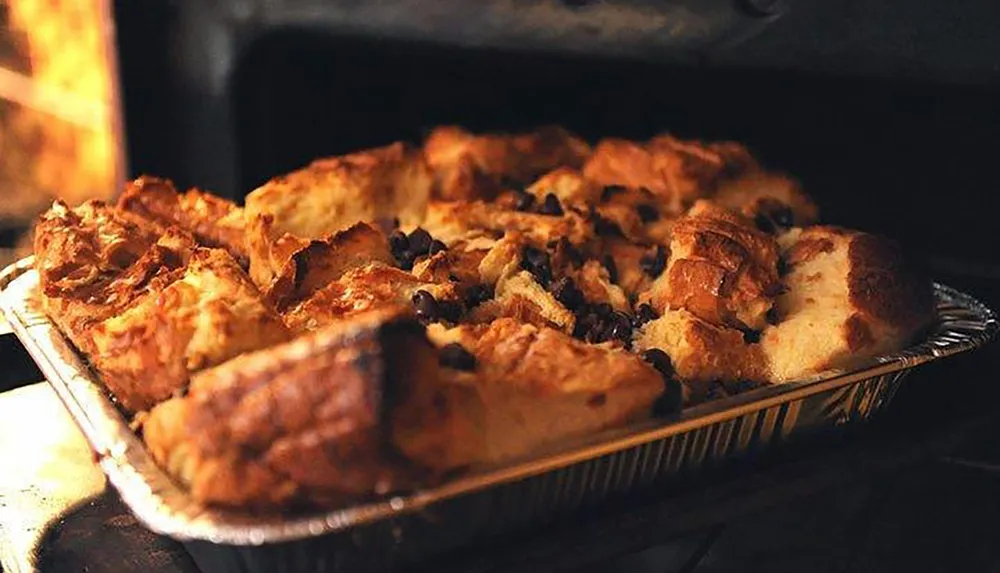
{"points": [[409, 527]]}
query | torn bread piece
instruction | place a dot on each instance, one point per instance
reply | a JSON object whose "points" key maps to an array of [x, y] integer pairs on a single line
{"points": [[525, 388], [212, 220], [196, 316], [850, 296], [307, 422], [94, 260], [467, 166], [371, 287], [373, 186], [323, 261], [721, 268]]}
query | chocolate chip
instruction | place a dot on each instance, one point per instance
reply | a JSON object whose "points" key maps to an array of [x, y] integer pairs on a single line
{"points": [[585, 322], [420, 241], [619, 327], [536, 262], [455, 356], [551, 206], [773, 317], [606, 227], [654, 263], [647, 213], [672, 399], [426, 306], [643, 314], [437, 247], [773, 216], [524, 201], [477, 295], [609, 263], [398, 242], [395, 222], [602, 309], [511, 183], [782, 267], [571, 254], [751, 336], [783, 217], [454, 278], [567, 293], [405, 260], [611, 190], [660, 360], [764, 223], [450, 311]]}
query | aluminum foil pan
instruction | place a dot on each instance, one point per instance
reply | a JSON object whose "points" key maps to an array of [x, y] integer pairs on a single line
{"points": [[410, 528]]}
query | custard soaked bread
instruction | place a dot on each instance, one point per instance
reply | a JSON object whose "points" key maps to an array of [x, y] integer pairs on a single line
{"points": [[409, 312]]}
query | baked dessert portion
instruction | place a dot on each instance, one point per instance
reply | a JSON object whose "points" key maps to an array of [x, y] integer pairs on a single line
{"points": [[146, 313], [410, 312], [329, 195], [213, 221], [850, 296]]}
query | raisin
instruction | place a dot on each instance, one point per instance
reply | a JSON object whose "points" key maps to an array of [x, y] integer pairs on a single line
{"points": [[524, 201], [647, 213], [654, 263], [437, 247], [619, 328], [398, 243], [420, 241], [455, 356], [660, 360], [537, 262], [551, 206], [643, 314], [426, 306], [477, 295], [567, 293], [610, 191], [606, 227], [609, 263]]}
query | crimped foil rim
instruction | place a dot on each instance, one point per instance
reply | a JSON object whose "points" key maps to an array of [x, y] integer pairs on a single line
{"points": [[964, 324]]}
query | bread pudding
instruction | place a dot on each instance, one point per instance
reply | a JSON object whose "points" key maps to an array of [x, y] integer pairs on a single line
{"points": [[377, 321]]}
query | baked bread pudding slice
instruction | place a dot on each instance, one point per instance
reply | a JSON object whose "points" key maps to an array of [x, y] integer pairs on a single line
{"points": [[305, 422], [213, 221], [850, 296], [373, 186], [467, 166], [412, 312], [508, 388]]}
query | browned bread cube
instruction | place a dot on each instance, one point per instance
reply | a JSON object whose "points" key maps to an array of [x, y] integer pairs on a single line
{"points": [[330, 195], [213, 221], [850, 296]]}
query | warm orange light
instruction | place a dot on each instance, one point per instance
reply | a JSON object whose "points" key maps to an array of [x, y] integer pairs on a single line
{"points": [[57, 125]]}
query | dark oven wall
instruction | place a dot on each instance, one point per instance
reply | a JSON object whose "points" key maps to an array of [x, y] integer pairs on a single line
{"points": [[910, 159]]}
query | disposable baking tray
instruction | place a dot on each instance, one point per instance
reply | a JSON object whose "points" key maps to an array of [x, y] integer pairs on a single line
{"points": [[414, 526]]}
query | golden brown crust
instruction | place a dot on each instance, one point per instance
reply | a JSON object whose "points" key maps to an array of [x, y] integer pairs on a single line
{"points": [[677, 172], [532, 387], [371, 287], [455, 221], [323, 261], [194, 317], [269, 428], [330, 195], [468, 166], [214, 221], [702, 352], [887, 287], [721, 269], [532, 269]]}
